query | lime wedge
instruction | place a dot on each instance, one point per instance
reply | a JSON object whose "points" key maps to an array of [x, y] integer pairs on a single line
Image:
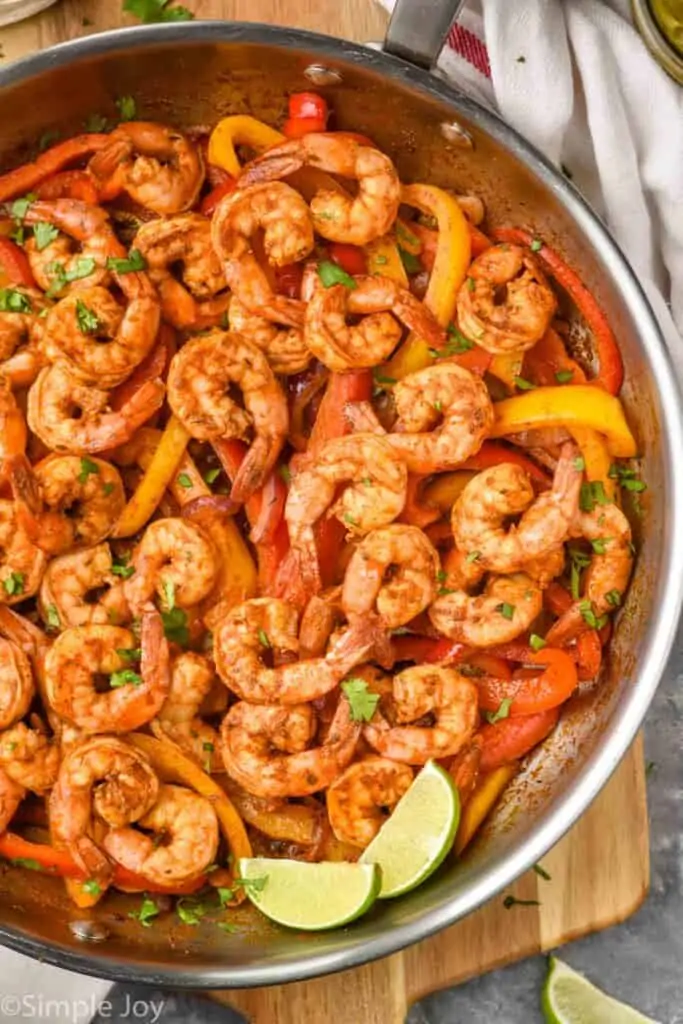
{"points": [[309, 896], [419, 833], [568, 998]]}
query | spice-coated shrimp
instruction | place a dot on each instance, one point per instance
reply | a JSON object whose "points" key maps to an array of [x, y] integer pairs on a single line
{"points": [[358, 801], [338, 216], [506, 609], [70, 584], [175, 560]]}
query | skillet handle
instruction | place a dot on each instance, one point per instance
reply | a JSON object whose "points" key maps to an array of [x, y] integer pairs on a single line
{"points": [[418, 28]]}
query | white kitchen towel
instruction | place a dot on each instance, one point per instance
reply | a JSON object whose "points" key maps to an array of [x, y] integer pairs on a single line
{"points": [[574, 77]]}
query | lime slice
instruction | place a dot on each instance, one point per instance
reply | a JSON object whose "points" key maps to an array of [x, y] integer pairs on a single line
{"points": [[568, 998], [309, 896], [419, 833]]}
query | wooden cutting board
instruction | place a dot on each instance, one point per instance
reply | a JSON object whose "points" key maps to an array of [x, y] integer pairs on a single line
{"points": [[599, 871]]}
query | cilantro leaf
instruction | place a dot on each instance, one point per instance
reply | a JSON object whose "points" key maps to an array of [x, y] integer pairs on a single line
{"points": [[148, 910], [129, 653], [14, 301], [52, 617], [88, 468], [44, 233], [212, 475], [175, 626], [191, 911], [541, 872], [362, 702], [88, 320], [523, 384], [564, 376], [127, 108], [14, 583], [125, 677], [506, 610], [503, 711], [263, 638], [184, 480], [92, 887], [168, 587], [330, 273], [149, 11], [96, 123], [127, 264], [536, 642], [411, 264]]}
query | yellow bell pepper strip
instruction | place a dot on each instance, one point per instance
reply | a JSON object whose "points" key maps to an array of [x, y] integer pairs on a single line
{"points": [[480, 804], [452, 259], [443, 491], [507, 366], [596, 458], [580, 405], [383, 258], [239, 130], [158, 475], [171, 765], [237, 576], [293, 823]]}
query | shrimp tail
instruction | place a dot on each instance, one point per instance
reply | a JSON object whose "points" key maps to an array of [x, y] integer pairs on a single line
{"points": [[278, 163], [254, 469]]}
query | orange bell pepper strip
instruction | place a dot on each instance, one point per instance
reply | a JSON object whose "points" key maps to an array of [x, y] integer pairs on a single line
{"points": [[331, 419], [69, 185], [443, 491], [157, 477], [213, 198], [450, 269], [417, 511], [482, 801], [42, 856], [512, 738], [383, 258], [587, 648], [580, 405], [610, 366], [171, 765], [596, 458], [14, 265], [27, 177], [507, 367], [534, 693]]}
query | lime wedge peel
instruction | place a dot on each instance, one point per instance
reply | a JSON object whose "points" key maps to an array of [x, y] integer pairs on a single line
{"points": [[413, 842], [569, 998], [311, 897]]}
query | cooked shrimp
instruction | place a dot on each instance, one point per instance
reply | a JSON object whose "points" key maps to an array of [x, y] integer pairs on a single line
{"points": [[606, 579], [80, 654], [426, 690], [198, 382], [357, 802], [374, 482], [445, 414], [188, 274], [16, 683], [78, 256], [187, 825], [11, 795], [175, 559], [22, 327], [280, 212], [393, 569], [157, 166], [72, 417], [342, 347], [13, 433], [66, 501], [479, 515], [285, 347], [336, 215], [192, 677], [506, 303], [258, 628], [22, 563], [100, 340], [82, 590], [505, 610], [29, 757], [264, 748], [101, 779]]}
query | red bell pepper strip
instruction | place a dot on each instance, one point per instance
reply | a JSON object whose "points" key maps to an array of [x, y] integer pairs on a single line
{"points": [[273, 546], [152, 366], [416, 512], [587, 648], [14, 847], [27, 177], [480, 241], [429, 237], [331, 419], [464, 769], [610, 366], [547, 359], [350, 258], [493, 665], [307, 105], [288, 280], [492, 454], [476, 360], [213, 198], [69, 185], [512, 738], [534, 693], [297, 127], [427, 649], [14, 265]]}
